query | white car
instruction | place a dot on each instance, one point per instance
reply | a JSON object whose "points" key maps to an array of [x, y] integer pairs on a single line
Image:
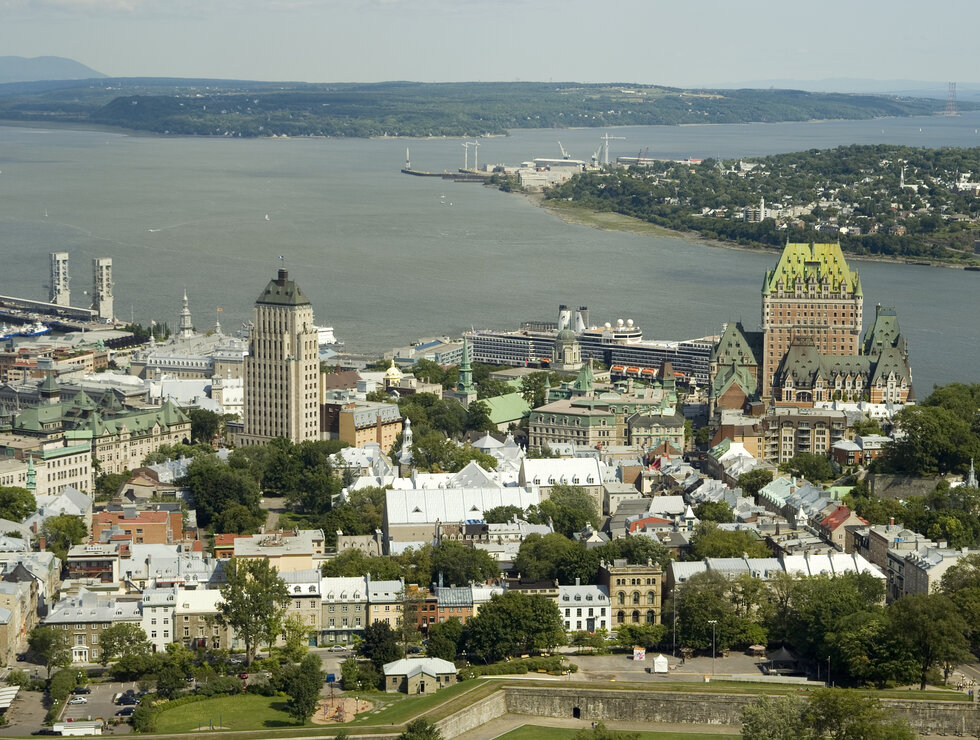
{"points": [[78, 700]]}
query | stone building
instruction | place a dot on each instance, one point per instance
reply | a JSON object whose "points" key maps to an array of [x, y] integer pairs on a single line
{"points": [[282, 387], [419, 676], [634, 591]]}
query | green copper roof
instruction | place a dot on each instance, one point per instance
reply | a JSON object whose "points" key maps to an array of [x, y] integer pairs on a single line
{"points": [[884, 333], [585, 382], [734, 374], [507, 408], [734, 347], [282, 292], [812, 263]]}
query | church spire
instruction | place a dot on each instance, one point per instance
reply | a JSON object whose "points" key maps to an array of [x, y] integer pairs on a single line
{"points": [[186, 326], [971, 478], [465, 382]]}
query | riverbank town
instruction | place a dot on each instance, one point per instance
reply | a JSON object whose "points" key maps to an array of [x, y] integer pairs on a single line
{"points": [[462, 502]]}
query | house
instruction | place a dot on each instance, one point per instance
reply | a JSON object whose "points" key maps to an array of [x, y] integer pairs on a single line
{"points": [[85, 616], [833, 526], [634, 591], [419, 676], [584, 607], [343, 609]]}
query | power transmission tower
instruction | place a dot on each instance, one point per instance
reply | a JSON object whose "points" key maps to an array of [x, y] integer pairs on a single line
{"points": [[951, 101]]}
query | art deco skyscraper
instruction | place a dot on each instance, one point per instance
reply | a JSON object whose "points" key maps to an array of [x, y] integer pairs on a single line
{"points": [[282, 393]]}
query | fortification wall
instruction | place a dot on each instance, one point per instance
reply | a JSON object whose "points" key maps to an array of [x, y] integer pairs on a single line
{"points": [[473, 716], [926, 717]]}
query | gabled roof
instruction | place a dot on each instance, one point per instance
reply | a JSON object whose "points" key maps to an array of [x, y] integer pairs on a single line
{"points": [[413, 666], [734, 346]]}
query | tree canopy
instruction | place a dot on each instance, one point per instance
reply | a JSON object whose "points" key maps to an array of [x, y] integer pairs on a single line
{"points": [[254, 598], [514, 623]]}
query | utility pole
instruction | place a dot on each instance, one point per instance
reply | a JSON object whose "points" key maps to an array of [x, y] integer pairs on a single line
{"points": [[712, 622]]}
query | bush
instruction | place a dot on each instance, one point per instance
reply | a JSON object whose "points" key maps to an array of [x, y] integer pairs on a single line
{"points": [[144, 718], [552, 664], [18, 677], [62, 684], [220, 685]]}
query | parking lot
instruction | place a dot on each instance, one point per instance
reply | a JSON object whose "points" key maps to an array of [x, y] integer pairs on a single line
{"points": [[98, 704]]}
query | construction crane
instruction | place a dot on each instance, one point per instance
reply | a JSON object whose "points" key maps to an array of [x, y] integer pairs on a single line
{"points": [[564, 154], [606, 139]]}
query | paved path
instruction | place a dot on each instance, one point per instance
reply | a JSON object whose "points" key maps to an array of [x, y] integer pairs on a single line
{"points": [[508, 722]]}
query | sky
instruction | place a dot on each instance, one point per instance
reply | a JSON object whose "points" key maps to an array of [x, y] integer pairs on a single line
{"points": [[689, 43]]}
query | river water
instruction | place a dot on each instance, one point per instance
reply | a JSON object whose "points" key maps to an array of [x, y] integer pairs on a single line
{"points": [[387, 258]]}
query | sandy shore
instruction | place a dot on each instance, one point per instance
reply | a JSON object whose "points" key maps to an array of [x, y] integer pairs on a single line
{"points": [[608, 221]]}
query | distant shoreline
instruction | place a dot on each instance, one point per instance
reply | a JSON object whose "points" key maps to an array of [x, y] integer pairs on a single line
{"points": [[610, 221]]}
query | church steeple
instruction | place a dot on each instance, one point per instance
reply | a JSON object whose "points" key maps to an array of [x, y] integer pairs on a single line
{"points": [[465, 383], [185, 329], [465, 390], [971, 478]]}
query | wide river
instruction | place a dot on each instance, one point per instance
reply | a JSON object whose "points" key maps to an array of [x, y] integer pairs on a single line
{"points": [[387, 258]]}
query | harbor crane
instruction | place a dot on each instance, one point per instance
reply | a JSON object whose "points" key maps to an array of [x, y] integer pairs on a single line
{"points": [[466, 154], [606, 139], [564, 154]]}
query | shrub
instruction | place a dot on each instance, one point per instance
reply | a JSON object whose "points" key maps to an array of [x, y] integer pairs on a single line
{"points": [[144, 718], [61, 684], [18, 677], [220, 685]]}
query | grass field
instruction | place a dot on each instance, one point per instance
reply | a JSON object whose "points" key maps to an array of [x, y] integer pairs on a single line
{"points": [[240, 712], [538, 732]]}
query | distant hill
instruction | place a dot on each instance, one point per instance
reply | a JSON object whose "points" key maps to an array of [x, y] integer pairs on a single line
{"points": [[250, 108], [908, 88], [22, 69]]}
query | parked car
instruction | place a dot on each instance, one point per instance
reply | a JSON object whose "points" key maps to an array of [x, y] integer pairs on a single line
{"points": [[45, 731], [338, 648], [243, 676], [21, 657], [78, 700], [126, 712], [127, 700], [82, 690]]}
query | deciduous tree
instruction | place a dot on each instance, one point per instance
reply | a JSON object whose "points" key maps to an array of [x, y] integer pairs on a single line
{"points": [[253, 602], [51, 646], [123, 639]]}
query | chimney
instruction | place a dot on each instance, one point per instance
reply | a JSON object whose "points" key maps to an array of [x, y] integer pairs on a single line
{"points": [[578, 581], [283, 277], [891, 521]]}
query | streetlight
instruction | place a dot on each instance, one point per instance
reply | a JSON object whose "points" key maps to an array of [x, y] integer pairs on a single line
{"points": [[828, 671], [712, 622]]}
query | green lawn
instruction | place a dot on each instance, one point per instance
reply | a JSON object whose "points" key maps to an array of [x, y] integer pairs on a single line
{"points": [[534, 732], [240, 712]]}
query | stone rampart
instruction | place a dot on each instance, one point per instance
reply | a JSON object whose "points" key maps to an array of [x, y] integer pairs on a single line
{"points": [[473, 716], [926, 717]]}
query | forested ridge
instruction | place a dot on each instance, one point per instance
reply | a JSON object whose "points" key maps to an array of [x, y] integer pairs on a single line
{"points": [[234, 108]]}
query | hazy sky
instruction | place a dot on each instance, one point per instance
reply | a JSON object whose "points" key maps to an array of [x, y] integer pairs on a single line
{"points": [[685, 43]]}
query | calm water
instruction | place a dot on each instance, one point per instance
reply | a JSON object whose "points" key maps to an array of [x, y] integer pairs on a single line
{"points": [[386, 258]]}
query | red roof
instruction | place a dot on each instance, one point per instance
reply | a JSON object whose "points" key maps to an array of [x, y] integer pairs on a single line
{"points": [[227, 540], [640, 523], [836, 518]]}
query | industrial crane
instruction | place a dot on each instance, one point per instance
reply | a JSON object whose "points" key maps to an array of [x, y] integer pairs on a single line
{"points": [[606, 139], [564, 154]]}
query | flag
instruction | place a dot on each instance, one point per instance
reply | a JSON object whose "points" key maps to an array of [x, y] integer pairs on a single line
{"points": [[221, 309], [152, 322]]}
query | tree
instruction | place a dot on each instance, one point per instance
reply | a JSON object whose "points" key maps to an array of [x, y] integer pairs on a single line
{"points": [[123, 639], [932, 628], [643, 635], [636, 550], [935, 440], [50, 646], [460, 565], [205, 425], [296, 638], [569, 508], [714, 511], [217, 486], [303, 688], [380, 644], [754, 481], [553, 556], [514, 623], [63, 532], [171, 680], [420, 729], [445, 638], [846, 715], [478, 417], [709, 541], [253, 602], [866, 649], [866, 426], [502, 514], [16, 503], [808, 465], [774, 718]]}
